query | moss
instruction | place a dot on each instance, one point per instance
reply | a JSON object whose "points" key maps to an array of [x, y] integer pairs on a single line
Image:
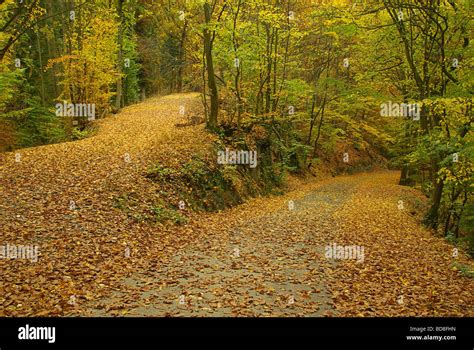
{"points": [[158, 212], [163, 214]]}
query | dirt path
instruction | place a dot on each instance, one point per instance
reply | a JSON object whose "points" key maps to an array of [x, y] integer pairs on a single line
{"points": [[258, 259], [263, 259], [267, 264]]}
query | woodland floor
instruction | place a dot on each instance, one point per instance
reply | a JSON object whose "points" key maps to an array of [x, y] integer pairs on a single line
{"points": [[256, 259]]}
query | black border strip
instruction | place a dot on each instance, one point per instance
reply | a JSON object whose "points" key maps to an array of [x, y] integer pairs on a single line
{"points": [[141, 331]]}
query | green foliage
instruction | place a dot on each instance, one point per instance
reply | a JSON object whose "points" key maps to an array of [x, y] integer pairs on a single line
{"points": [[78, 134], [464, 269], [131, 80], [130, 52], [10, 81], [33, 123], [157, 213], [161, 173], [162, 214]]}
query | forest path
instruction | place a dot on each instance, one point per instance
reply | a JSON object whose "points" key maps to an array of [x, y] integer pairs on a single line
{"points": [[263, 259], [260, 258]]}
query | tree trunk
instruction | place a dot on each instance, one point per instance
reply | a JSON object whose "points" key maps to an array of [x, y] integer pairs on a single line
{"points": [[211, 78], [41, 70], [118, 97], [238, 66], [432, 218], [182, 55], [404, 179]]}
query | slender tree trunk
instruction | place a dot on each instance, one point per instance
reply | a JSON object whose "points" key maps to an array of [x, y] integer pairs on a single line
{"points": [[211, 78], [238, 66], [404, 175], [40, 62], [315, 149], [285, 60], [119, 96], [268, 90], [275, 72], [182, 55], [204, 86], [313, 119]]}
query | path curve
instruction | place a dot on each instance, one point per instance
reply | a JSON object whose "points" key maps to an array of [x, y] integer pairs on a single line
{"points": [[257, 259]]}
